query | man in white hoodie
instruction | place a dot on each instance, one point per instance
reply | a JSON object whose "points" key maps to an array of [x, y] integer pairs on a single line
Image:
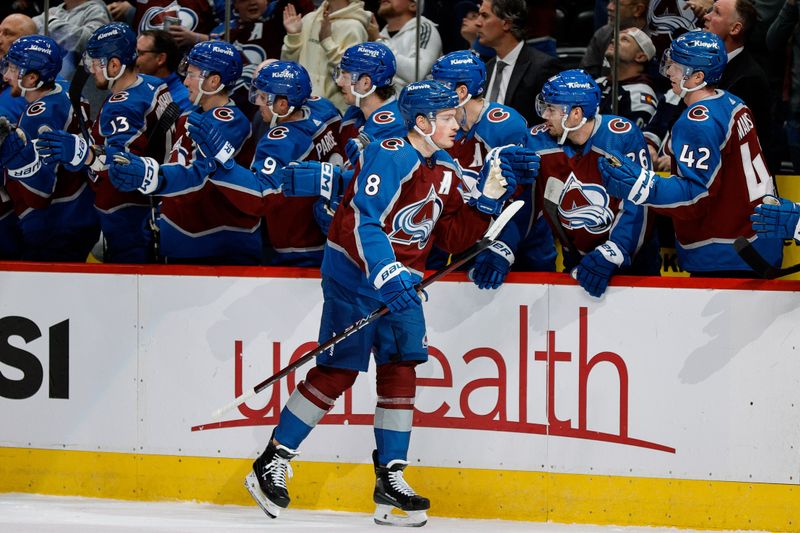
{"points": [[400, 34], [318, 40]]}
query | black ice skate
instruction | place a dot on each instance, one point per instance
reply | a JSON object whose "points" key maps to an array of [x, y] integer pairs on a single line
{"points": [[267, 481], [392, 492]]}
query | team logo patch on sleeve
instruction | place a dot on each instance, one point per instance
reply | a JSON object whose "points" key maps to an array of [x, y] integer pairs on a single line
{"points": [[119, 97], [617, 125], [383, 117], [539, 128], [36, 108], [698, 113], [224, 114], [392, 144], [497, 115], [278, 132], [649, 100]]}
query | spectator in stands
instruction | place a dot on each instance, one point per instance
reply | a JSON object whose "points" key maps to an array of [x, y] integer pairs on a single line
{"points": [[732, 20], [400, 35], [783, 30], [158, 55], [518, 72], [637, 98], [467, 11], [632, 14], [318, 40], [12, 28]]}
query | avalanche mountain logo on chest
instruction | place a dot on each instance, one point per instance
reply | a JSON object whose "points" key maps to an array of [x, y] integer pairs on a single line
{"points": [[414, 223], [584, 205]]}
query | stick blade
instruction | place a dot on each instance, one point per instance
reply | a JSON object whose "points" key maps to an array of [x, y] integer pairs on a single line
{"points": [[502, 219]]}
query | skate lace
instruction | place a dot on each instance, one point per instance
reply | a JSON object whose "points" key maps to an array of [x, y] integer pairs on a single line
{"points": [[399, 484], [278, 469]]}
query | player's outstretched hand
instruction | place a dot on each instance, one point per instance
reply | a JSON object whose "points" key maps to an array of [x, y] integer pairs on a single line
{"points": [[625, 179], [355, 146], [496, 183], [209, 140], [524, 162], [309, 178], [492, 266], [129, 172], [777, 218], [595, 269], [70, 150], [396, 287]]}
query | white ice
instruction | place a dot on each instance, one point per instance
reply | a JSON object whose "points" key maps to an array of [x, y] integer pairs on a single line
{"points": [[30, 513]]}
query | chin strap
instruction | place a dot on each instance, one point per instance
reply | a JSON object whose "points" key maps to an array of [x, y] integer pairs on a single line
{"points": [[200, 92], [685, 90], [427, 136], [276, 116], [359, 96], [115, 78], [24, 89], [567, 129]]}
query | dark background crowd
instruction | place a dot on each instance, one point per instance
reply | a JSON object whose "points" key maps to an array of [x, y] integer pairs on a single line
{"points": [[759, 35]]}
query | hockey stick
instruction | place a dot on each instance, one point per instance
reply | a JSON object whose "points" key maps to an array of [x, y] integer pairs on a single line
{"points": [[761, 266], [75, 91], [486, 241]]}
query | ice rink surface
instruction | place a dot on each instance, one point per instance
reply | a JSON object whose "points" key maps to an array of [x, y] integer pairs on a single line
{"points": [[28, 513]]}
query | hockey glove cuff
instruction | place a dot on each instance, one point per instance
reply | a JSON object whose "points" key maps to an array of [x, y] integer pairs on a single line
{"points": [[310, 178], [595, 269], [625, 179], [129, 172], [19, 156], [492, 266], [396, 287]]}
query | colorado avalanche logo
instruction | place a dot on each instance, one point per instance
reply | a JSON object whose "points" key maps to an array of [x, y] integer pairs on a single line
{"points": [[253, 55], [698, 113], [154, 18], [277, 133], [36, 108], [539, 128], [414, 223], [584, 205], [119, 97], [618, 125], [383, 117], [392, 144], [223, 114], [497, 115]]}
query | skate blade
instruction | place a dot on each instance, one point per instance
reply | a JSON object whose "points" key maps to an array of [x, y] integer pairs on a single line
{"points": [[384, 516], [251, 482]]}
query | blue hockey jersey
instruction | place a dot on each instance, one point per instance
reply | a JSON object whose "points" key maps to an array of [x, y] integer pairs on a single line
{"points": [[197, 220], [54, 206], [720, 175], [125, 120], [570, 195], [11, 107]]}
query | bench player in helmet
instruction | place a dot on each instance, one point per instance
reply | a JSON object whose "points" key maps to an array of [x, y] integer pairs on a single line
{"points": [[126, 119], [485, 125], [282, 90], [197, 222], [53, 203], [599, 235], [364, 75], [719, 174], [404, 197]]}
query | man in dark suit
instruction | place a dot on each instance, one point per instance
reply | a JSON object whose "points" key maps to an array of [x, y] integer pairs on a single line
{"points": [[516, 75]]}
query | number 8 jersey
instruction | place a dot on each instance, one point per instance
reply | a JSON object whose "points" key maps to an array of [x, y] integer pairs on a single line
{"points": [[721, 175]]}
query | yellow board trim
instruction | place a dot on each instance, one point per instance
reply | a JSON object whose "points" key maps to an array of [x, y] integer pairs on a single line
{"points": [[464, 493]]}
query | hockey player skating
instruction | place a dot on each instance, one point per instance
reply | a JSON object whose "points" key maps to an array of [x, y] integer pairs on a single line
{"points": [[126, 117], [197, 223], [719, 171], [599, 235], [486, 125], [404, 198], [54, 204]]}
